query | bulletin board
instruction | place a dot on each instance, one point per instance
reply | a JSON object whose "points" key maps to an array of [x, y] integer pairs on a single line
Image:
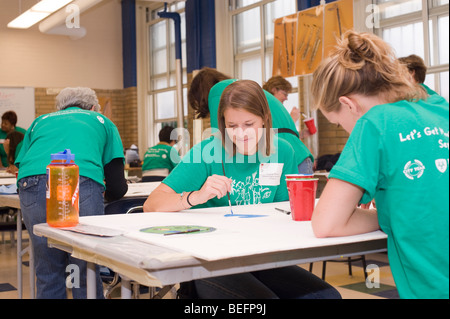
{"points": [[21, 101], [303, 39], [284, 49]]}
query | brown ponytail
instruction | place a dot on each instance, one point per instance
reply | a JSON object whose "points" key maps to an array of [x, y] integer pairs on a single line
{"points": [[199, 90]]}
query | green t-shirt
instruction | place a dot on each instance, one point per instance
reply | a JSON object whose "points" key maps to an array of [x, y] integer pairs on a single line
{"points": [[205, 159], [90, 136], [398, 153], [161, 156], [3, 156], [281, 119], [429, 91]]}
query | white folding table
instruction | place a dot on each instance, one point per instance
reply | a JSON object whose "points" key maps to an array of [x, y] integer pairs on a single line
{"points": [[237, 245]]}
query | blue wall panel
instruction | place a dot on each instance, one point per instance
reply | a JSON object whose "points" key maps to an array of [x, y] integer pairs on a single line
{"points": [[129, 43], [200, 34]]}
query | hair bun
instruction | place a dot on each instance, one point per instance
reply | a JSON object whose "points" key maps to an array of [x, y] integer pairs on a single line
{"points": [[359, 48]]}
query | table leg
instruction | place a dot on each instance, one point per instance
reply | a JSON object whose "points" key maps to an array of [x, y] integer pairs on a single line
{"points": [[91, 281], [125, 288], [32, 272], [19, 253]]}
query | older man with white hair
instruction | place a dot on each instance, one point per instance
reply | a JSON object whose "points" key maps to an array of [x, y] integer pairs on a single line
{"points": [[96, 143]]}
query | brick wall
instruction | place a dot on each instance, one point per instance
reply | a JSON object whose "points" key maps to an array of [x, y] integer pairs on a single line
{"points": [[332, 139], [122, 109]]}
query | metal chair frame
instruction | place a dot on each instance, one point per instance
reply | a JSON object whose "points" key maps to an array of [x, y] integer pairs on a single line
{"points": [[154, 293]]}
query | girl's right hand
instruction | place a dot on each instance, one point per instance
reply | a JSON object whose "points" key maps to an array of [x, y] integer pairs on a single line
{"points": [[215, 186]]}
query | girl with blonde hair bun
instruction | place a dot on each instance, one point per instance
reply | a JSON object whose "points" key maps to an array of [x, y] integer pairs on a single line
{"points": [[362, 63], [397, 154]]}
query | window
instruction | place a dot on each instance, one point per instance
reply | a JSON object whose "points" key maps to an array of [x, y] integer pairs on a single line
{"points": [[253, 32], [253, 35], [419, 27], [162, 90]]}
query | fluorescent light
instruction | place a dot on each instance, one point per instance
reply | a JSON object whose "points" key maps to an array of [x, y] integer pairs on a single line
{"points": [[50, 5], [38, 12], [27, 19]]}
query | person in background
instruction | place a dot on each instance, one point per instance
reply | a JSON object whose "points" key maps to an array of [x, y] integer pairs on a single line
{"points": [[160, 159], [397, 154], [418, 70], [132, 156], [12, 146], [280, 89], [204, 96], [98, 150], [230, 162], [9, 121]]}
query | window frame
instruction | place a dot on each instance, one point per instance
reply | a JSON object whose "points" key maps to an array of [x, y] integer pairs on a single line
{"points": [[150, 121], [429, 12], [264, 51]]}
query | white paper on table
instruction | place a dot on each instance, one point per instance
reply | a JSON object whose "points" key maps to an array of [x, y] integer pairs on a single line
{"points": [[233, 236], [94, 230]]}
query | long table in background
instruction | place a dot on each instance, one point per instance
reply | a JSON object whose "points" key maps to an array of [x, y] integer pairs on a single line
{"points": [[13, 201], [236, 244]]}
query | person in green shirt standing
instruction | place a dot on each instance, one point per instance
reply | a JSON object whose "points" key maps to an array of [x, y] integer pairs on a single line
{"points": [[98, 150], [9, 121], [397, 154], [247, 161], [160, 159]]}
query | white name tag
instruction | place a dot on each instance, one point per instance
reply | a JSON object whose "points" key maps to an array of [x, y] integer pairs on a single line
{"points": [[270, 174]]}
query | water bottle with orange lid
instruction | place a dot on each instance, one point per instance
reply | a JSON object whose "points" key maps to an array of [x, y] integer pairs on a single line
{"points": [[62, 190]]}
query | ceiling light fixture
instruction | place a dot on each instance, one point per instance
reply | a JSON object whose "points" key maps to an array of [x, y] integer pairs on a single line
{"points": [[38, 12]]}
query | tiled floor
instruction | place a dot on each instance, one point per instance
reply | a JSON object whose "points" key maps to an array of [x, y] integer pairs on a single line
{"points": [[351, 287]]}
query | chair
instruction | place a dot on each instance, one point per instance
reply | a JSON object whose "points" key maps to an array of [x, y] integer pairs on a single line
{"points": [[126, 205], [123, 205], [146, 179], [8, 222], [349, 260]]}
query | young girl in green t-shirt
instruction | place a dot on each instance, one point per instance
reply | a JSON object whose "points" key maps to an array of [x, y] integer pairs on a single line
{"points": [[232, 164]]}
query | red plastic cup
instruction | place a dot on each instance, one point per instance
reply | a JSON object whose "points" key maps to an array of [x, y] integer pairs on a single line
{"points": [[299, 176], [310, 125], [302, 197]]}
